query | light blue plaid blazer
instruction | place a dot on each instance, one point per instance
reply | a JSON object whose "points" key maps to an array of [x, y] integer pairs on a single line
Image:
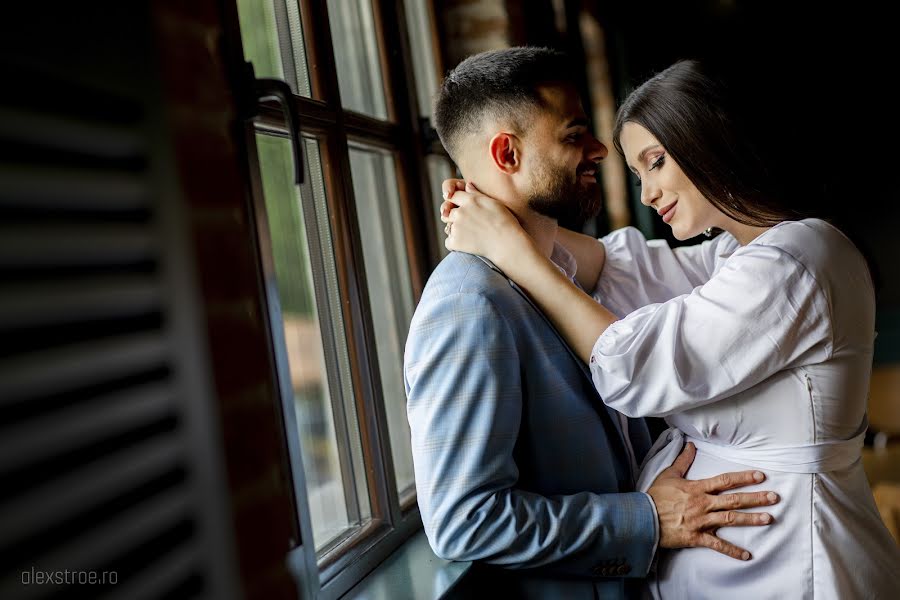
{"points": [[518, 462]]}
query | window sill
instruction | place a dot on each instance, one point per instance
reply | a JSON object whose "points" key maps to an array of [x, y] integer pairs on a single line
{"points": [[412, 571]]}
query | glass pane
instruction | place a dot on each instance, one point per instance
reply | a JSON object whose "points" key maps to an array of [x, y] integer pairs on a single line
{"points": [[421, 37], [272, 35], [314, 342], [356, 56], [337, 354], [390, 289], [439, 169]]}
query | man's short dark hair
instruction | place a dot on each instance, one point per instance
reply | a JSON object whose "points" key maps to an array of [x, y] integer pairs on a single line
{"points": [[498, 82]]}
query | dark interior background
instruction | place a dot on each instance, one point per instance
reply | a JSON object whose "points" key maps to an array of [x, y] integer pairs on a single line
{"points": [[813, 81]]}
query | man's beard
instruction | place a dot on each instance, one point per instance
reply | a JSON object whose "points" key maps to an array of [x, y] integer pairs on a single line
{"points": [[554, 194]]}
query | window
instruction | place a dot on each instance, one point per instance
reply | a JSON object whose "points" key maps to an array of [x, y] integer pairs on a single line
{"points": [[344, 261], [390, 290], [358, 65], [326, 421]]}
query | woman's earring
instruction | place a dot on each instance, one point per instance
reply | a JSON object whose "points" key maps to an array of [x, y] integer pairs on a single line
{"points": [[708, 232]]}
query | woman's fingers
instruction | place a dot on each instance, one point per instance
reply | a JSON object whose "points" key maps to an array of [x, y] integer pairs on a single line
{"points": [[450, 186], [460, 198], [449, 206], [446, 207]]}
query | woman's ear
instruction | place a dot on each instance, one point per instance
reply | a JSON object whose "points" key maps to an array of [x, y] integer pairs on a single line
{"points": [[505, 149]]}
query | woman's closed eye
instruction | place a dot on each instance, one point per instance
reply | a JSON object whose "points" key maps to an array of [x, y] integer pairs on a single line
{"points": [[654, 165]]}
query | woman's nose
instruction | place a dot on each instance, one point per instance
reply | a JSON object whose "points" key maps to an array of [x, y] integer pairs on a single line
{"points": [[649, 193]]}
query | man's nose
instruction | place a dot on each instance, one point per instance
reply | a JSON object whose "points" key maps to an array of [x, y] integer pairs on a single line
{"points": [[595, 150]]}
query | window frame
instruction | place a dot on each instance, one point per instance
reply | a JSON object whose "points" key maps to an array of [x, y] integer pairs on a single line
{"points": [[408, 137]]}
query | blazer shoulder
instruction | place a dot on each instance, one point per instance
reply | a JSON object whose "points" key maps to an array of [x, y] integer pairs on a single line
{"points": [[461, 273]]}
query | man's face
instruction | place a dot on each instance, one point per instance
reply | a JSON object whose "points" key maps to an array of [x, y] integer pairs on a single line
{"points": [[560, 158]]}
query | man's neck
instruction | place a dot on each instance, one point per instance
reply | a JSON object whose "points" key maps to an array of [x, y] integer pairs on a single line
{"points": [[542, 229]]}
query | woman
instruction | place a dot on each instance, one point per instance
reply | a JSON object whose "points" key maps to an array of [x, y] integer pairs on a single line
{"points": [[756, 345]]}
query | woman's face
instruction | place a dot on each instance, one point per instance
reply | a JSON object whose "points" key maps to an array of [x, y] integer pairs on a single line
{"points": [[665, 187]]}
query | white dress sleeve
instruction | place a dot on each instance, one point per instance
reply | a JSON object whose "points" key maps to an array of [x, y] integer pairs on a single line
{"points": [[638, 272], [761, 313]]}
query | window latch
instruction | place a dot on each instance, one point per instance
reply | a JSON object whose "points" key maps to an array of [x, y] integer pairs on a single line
{"points": [[263, 89]]}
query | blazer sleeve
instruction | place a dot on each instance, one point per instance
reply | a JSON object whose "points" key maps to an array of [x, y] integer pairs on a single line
{"points": [[465, 397]]}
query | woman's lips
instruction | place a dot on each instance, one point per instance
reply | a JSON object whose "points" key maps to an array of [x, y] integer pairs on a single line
{"points": [[667, 212]]}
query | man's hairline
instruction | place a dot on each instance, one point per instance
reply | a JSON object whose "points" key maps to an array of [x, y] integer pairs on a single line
{"points": [[536, 103]]}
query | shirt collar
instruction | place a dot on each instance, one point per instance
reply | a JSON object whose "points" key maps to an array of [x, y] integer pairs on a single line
{"points": [[561, 258], [564, 260]]}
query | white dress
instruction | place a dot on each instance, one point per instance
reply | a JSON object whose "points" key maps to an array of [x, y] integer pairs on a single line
{"points": [[760, 355]]}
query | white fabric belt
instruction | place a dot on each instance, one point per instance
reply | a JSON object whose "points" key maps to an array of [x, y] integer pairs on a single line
{"points": [[811, 458]]}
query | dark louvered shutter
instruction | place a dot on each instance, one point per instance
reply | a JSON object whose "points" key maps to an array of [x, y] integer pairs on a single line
{"points": [[108, 449]]}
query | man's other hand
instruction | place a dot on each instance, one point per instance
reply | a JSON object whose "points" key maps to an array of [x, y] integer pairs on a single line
{"points": [[690, 512]]}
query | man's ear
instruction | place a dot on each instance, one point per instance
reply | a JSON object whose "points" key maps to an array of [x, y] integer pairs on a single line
{"points": [[505, 149]]}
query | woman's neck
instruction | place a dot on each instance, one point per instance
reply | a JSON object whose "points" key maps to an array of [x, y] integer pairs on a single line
{"points": [[744, 234]]}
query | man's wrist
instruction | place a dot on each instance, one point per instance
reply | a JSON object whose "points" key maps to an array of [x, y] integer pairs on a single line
{"points": [[512, 249]]}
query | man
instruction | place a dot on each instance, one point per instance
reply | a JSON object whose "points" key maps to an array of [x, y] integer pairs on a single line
{"points": [[518, 462]]}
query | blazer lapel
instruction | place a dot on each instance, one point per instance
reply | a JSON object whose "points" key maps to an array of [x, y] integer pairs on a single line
{"points": [[611, 414]]}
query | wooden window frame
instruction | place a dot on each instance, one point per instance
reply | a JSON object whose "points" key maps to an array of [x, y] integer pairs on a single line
{"points": [[408, 138]]}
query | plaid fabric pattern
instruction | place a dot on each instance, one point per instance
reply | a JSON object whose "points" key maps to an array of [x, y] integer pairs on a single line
{"points": [[518, 463]]}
